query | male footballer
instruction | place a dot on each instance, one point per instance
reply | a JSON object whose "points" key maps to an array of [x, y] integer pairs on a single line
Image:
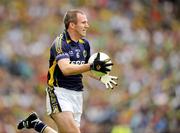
{"points": [[69, 55]]}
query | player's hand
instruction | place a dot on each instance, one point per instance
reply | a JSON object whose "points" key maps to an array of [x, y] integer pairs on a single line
{"points": [[108, 80], [99, 65]]}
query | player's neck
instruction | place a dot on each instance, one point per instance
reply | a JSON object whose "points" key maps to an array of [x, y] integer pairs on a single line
{"points": [[73, 35]]}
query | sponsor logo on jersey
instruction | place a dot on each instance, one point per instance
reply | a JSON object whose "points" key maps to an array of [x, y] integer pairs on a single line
{"points": [[77, 62]]}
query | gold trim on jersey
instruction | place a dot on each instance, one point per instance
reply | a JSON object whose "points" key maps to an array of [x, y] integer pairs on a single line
{"points": [[68, 39], [81, 41], [51, 72], [59, 44]]}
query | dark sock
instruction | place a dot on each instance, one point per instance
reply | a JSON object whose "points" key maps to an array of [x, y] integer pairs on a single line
{"points": [[40, 126]]}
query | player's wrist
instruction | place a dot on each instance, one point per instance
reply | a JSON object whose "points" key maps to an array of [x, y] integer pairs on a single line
{"points": [[91, 66]]}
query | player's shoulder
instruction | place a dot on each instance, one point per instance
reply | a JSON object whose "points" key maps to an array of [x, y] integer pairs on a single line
{"points": [[58, 40], [84, 41], [57, 43]]}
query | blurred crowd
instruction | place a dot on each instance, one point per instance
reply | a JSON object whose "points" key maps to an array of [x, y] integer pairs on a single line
{"points": [[141, 37]]}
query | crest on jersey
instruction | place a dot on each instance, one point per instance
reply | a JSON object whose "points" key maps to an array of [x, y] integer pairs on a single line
{"points": [[85, 53]]}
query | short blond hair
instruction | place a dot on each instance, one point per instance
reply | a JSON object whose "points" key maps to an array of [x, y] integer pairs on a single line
{"points": [[71, 16]]}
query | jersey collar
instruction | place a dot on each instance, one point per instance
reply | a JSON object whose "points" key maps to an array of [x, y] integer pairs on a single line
{"points": [[68, 38]]}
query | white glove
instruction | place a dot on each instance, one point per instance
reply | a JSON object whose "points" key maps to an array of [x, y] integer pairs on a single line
{"points": [[108, 80]]}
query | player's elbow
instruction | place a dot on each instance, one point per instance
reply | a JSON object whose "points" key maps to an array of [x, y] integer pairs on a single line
{"points": [[65, 67], [66, 72]]}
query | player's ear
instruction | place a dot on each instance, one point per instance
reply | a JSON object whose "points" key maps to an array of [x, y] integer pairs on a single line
{"points": [[72, 25]]}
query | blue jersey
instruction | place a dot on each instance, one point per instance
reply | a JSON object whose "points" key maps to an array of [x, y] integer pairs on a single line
{"points": [[77, 52]]}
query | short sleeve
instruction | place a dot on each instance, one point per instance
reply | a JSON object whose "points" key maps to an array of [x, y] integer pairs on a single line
{"points": [[59, 49]]}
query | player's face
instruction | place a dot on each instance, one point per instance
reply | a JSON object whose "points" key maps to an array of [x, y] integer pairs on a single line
{"points": [[82, 25]]}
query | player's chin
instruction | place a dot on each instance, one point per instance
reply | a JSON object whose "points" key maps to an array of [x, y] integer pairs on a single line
{"points": [[83, 34]]}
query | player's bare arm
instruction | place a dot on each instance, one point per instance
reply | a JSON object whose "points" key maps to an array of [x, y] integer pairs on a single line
{"points": [[71, 69]]}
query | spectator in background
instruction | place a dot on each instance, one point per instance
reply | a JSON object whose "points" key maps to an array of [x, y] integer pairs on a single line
{"points": [[146, 57]]}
